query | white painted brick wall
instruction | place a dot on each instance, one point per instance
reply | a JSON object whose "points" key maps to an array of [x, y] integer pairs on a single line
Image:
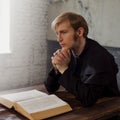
{"points": [[102, 17], [26, 65]]}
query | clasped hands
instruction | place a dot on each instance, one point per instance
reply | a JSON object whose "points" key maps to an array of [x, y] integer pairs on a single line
{"points": [[61, 59]]}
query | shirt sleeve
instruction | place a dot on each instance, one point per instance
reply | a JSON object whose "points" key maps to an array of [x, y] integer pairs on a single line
{"points": [[51, 82]]}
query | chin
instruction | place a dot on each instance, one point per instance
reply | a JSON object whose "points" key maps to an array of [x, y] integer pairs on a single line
{"points": [[64, 47]]}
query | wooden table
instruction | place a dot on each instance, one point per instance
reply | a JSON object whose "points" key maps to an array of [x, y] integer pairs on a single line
{"points": [[103, 109]]}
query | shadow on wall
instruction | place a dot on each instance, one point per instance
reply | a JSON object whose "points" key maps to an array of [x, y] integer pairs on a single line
{"points": [[52, 46]]}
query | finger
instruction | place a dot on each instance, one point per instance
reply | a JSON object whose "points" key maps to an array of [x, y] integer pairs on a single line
{"points": [[66, 53], [56, 59], [55, 53], [52, 57], [61, 55]]}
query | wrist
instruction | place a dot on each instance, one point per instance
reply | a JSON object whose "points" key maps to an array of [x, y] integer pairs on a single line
{"points": [[63, 70], [56, 70]]}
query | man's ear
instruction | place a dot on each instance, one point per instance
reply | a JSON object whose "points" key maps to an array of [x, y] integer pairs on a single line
{"points": [[80, 31]]}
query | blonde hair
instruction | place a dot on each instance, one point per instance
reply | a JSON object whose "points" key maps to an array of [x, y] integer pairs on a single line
{"points": [[76, 21]]}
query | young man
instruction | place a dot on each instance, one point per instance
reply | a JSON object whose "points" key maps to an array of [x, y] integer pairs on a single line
{"points": [[82, 66]]}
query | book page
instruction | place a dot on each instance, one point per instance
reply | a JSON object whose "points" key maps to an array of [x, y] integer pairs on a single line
{"points": [[20, 96], [41, 104]]}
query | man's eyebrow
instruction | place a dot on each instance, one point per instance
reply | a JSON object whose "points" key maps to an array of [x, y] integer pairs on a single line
{"points": [[60, 31], [64, 30]]}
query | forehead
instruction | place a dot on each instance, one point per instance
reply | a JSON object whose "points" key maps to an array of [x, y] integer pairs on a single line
{"points": [[63, 25]]}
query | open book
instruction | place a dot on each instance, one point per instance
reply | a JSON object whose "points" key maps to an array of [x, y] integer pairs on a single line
{"points": [[34, 104]]}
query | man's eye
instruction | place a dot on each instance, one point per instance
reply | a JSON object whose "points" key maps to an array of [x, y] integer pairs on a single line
{"points": [[64, 32]]}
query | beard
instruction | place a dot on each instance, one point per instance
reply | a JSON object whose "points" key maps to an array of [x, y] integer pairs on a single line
{"points": [[77, 40], [75, 37]]}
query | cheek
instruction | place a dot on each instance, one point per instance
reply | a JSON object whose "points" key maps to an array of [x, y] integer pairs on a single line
{"points": [[75, 37], [71, 43], [70, 40]]}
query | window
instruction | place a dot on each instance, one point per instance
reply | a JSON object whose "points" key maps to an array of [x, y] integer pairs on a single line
{"points": [[4, 26]]}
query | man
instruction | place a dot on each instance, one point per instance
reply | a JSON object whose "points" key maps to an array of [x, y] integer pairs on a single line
{"points": [[82, 66]]}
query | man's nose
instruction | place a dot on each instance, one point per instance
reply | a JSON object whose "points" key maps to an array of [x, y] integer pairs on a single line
{"points": [[59, 38]]}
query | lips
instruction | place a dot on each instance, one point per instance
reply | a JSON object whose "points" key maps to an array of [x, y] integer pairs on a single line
{"points": [[62, 45]]}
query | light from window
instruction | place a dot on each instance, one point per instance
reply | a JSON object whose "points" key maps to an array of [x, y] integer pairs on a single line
{"points": [[4, 26]]}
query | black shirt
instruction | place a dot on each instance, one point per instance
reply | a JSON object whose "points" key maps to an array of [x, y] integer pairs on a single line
{"points": [[90, 76]]}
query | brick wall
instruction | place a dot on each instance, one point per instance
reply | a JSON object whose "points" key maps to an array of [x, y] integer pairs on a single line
{"points": [[26, 64]]}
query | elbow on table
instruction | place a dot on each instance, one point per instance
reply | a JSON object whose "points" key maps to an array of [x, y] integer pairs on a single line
{"points": [[51, 88], [87, 102]]}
